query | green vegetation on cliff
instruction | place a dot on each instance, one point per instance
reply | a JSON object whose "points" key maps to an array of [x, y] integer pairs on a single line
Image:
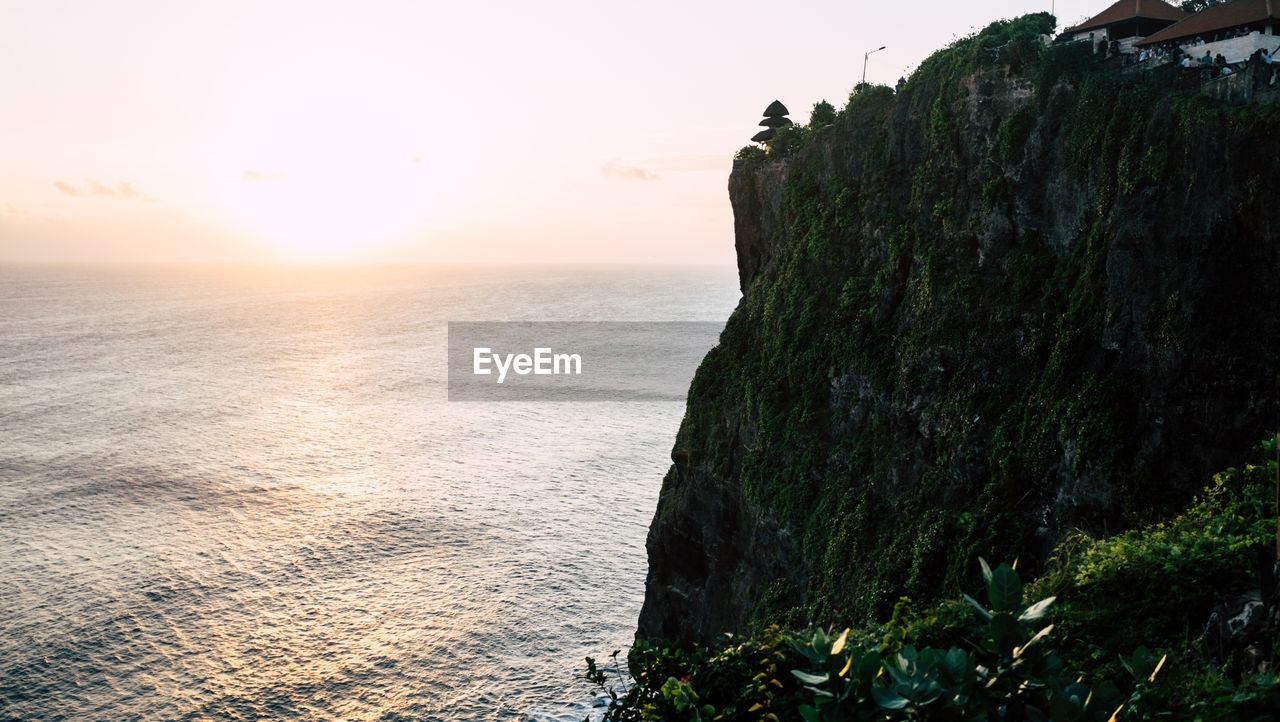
{"points": [[1122, 613], [1017, 308], [940, 358]]}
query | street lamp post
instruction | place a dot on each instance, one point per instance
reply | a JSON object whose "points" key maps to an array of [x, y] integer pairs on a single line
{"points": [[864, 62]]}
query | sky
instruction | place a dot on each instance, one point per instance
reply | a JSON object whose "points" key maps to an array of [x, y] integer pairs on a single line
{"points": [[417, 132]]}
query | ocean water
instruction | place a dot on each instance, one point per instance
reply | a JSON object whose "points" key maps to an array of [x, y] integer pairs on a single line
{"points": [[240, 493]]}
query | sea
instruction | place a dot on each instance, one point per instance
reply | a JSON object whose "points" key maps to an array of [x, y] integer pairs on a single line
{"points": [[240, 493]]}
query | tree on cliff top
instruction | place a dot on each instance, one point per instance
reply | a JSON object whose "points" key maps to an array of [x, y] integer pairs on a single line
{"points": [[1195, 6], [824, 113]]}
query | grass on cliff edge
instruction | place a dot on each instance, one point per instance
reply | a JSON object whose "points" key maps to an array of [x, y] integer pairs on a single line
{"points": [[1153, 587]]}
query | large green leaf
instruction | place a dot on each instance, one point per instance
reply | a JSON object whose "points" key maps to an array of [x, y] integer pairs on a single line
{"points": [[1005, 632], [981, 609], [1037, 610], [839, 644], [1039, 635], [869, 666], [806, 678], [1005, 589], [888, 699]]}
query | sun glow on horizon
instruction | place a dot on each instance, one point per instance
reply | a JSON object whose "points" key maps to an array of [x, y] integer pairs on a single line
{"points": [[319, 182], [412, 132], [312, 214]]}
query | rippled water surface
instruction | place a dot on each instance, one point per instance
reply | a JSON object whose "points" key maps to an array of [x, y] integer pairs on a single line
{"points": [[240, 493]]}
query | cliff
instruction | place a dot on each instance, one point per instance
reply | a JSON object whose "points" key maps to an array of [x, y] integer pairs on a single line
{"points": [[1025, 295]]}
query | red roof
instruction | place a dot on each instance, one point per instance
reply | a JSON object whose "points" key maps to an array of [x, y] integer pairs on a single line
{"points": [[1128, 10], [1211, 20]]}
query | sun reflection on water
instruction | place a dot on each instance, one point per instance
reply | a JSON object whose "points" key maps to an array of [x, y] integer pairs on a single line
{"points": [[229, 495]]}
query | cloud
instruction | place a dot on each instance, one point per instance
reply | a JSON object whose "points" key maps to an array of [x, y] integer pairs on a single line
{"points": [[124, 191], [257, 175], [615, 170]]}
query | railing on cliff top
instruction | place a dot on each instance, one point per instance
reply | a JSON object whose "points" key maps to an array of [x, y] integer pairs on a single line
{"points": [[1250, 81]]}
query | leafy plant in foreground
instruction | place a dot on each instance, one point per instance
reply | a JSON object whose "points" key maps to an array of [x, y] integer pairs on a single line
{"points": [[1008, 674], [745, 679], [1006, 671]]}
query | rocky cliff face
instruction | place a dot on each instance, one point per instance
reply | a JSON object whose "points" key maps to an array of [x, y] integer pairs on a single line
{"points": [[1013, 300]]}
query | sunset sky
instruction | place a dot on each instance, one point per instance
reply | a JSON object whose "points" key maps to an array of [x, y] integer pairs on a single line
{"points": [[417, 131]]}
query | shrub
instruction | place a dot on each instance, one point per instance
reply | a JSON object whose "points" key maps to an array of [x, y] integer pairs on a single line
{"points": [[1012, 42], [789, 139], [823, 113], [970, 660], [1158, 585], [743, 679], [1007, 672]]}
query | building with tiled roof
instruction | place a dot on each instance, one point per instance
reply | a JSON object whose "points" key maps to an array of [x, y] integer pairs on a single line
{"points": [[1234, 30], [1216, 22], [1128, 19]]}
